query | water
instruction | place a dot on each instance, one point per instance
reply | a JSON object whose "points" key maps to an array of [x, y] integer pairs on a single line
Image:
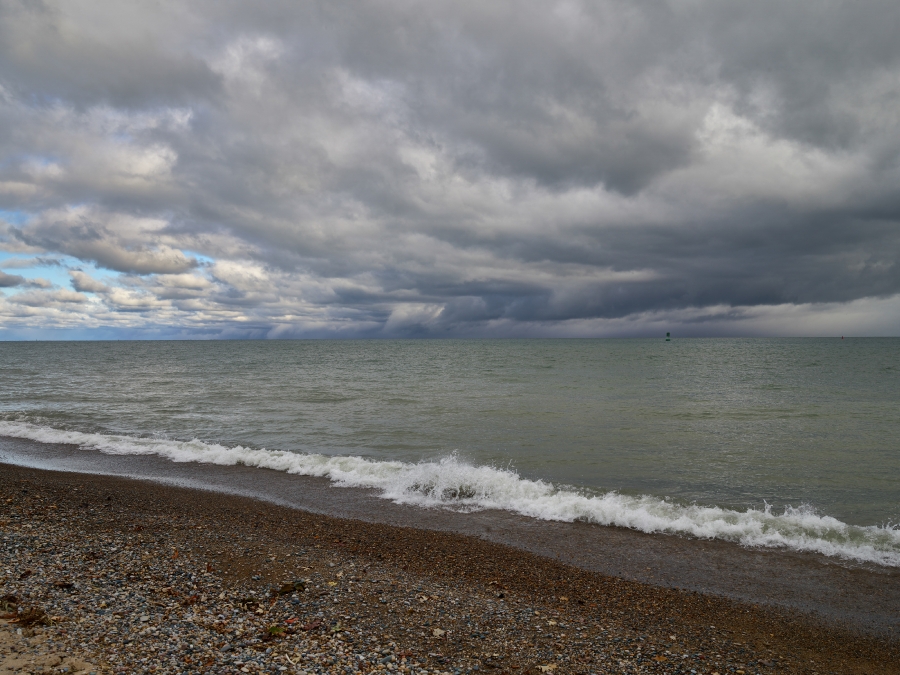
{"points": [[789, 443]]}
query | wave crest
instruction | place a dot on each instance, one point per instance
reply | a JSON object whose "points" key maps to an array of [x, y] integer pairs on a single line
{"points": [[453, 483]]}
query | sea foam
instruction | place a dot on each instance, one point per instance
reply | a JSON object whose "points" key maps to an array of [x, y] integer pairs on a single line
{"points": [[453, 483]]}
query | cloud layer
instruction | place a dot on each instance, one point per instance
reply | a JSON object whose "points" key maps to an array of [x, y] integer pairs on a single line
{"points": [[449, 169]]}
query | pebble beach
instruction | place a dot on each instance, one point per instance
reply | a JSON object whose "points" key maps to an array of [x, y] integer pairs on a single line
{"points": [[111, 575]]}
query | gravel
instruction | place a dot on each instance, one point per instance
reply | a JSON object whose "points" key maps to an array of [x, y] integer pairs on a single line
{"points": [[102, 575]]}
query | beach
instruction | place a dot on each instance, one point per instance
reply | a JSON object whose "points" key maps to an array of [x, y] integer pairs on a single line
{"points": [[119, 575]]}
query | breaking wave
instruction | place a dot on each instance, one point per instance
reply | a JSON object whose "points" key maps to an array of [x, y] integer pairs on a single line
{"points": [[453, 483]]}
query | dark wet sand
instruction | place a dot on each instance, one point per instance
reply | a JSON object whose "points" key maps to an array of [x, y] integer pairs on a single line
{"points": [[225, 527]]}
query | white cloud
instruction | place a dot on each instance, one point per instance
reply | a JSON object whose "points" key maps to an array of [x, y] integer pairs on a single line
{"points": [[48, 298], [85, 283]]}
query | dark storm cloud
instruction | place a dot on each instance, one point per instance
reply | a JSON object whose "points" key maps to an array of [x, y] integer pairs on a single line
{"points": [[113, 60], [453, 168]]}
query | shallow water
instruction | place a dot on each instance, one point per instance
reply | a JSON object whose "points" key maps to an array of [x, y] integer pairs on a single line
{"points": [[860, 596], [767, 442]]}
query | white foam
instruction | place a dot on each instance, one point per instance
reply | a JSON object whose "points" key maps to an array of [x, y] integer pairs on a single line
{"points": [[452, 483]]}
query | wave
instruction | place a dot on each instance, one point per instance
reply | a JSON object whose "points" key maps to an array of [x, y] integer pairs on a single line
{"points": [[453, 483]]}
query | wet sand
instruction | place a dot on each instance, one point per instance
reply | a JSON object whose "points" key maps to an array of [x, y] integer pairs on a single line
{"points": [[486, 605]]}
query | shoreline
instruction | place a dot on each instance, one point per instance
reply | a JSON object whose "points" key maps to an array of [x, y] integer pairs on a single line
{"points": [[863, 597], [434, 600]]}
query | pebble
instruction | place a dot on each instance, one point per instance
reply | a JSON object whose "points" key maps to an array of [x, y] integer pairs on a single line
{"points": [[142, 589]]}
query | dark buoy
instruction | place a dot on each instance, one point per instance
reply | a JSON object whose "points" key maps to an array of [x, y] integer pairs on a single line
{"points": [[668, 337]]}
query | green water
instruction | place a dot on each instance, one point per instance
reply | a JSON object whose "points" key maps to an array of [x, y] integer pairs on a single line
{"points": [[729, 422]]}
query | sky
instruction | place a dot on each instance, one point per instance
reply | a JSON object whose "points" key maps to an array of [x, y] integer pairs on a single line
{"points": [[284, 169]]}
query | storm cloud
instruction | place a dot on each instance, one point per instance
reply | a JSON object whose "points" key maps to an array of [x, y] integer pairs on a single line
{"points": [[451, 169]]}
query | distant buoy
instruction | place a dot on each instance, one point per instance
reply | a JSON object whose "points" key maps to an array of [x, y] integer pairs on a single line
{"points": [[668, 337]]}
